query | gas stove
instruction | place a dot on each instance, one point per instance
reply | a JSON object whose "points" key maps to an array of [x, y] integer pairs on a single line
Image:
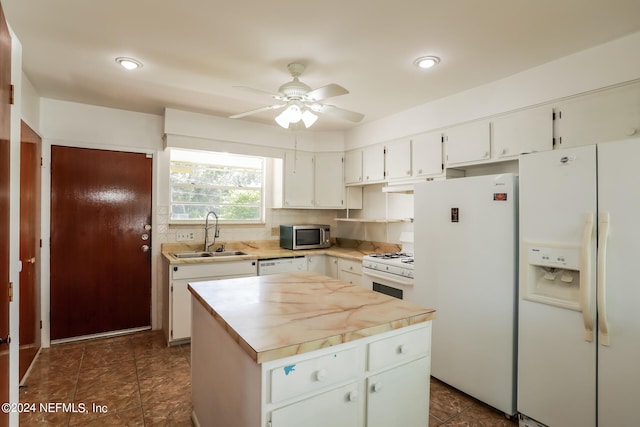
{"points": [[393, 263]]}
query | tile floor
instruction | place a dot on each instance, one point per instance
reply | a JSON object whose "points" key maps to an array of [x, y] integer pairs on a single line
{"points": [[450, 407], [136, 380]]}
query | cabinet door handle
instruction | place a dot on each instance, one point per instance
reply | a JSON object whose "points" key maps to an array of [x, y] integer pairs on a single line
{"points": [[403, 349], [377, 387], [321, 375], [352, 396]]}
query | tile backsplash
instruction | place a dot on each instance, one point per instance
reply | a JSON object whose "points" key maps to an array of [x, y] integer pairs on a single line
{"points": [[270, 230]]}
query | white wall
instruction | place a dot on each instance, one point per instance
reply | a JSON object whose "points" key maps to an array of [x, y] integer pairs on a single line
{"points": [[200, 131], [595, 68], [30, 105]]}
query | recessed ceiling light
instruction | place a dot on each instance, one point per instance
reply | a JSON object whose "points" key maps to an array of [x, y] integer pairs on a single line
{"points": [[426, 61], [129, 63]]}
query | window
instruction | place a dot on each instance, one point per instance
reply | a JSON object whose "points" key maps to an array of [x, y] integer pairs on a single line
{"points": [[229, 184]]}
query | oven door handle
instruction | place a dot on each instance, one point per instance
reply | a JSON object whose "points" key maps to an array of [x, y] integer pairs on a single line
{"points": [[368, 272]]}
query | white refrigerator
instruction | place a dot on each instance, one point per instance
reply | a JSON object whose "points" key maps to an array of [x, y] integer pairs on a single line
{"points": [[465, 245], [579, 305]]}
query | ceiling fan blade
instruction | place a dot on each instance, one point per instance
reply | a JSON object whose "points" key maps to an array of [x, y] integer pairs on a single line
{"points": [[325, 92], [260, 91], [338, 112], [257, 110]]}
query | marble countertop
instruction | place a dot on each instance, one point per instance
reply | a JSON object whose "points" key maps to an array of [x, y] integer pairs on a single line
{"points": [[271, 249], [281, 315]]}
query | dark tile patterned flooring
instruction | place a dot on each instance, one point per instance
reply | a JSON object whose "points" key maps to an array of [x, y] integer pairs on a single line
{"points": [[450, 407], [136, 380]]}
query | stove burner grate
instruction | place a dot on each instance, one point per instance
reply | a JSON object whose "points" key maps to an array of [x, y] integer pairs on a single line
{"points": [[391, 255]]}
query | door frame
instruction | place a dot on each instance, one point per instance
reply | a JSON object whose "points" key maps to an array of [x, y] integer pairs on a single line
{"points": [[29, 136], [157, 280]]}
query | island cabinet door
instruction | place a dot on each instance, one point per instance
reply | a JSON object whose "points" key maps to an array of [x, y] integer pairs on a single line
{"points": [[399, 396], [341, 407]]}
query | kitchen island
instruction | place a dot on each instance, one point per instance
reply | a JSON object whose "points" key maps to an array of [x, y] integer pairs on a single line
{"points": [[303, 349]]}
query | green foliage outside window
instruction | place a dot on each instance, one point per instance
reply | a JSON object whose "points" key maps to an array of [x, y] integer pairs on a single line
{"points": [[230, 185]]}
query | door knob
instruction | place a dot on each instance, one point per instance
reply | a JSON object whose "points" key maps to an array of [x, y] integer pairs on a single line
{"points": [[147, 227], [144, 236], [6, 340], [145, 248], [32, 260]]}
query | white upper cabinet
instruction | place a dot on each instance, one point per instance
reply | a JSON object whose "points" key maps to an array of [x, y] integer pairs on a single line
{"points": [[398, 160], [604, 116], [298, 180], [353, 167], [523, 132], [329, 181], [311, 181], [427, 155], [468, 143], [373, 164]]}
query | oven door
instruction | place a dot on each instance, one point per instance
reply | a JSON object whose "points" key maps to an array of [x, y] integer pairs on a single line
{"points": [[389, 284]]}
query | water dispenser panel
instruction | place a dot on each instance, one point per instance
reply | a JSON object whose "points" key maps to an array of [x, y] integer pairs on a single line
{"points": [[554, 257], [551, 274]]}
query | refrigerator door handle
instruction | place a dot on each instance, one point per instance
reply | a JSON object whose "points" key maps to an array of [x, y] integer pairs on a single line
{"points": [[603, 237], [585, 277]]}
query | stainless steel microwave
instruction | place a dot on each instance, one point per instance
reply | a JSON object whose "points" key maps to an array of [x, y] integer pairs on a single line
{"points": [[309, 236]]}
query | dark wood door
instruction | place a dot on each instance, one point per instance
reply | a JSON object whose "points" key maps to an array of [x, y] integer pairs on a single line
{"points": [[100, 272], [5, 82], [30, 149]]}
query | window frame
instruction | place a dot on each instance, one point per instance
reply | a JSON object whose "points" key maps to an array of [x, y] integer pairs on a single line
{"points": [[199, 221]]}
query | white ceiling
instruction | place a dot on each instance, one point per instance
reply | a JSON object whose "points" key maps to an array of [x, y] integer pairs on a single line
{"points": [[195, 51]]}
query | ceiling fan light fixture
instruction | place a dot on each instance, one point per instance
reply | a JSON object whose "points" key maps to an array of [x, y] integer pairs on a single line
{"points": [[293, 114], [283, 120], [425, 62], [308, 118], [128, 63]]}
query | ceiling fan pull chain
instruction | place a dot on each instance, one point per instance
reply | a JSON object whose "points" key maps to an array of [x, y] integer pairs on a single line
{"points": [[295, 151]]}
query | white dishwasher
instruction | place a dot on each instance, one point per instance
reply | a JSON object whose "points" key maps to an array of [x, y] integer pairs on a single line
{"points": [[282, 265]]}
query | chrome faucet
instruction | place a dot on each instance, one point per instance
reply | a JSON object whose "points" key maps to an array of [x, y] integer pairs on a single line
{"points": [[216, 231]]}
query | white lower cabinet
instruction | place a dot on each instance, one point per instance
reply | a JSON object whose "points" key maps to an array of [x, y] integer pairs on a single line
{"points": [[332, 266], [317, 264], [342, 407], [350, 271], [389, 389], [178, 321], [381, 383]]}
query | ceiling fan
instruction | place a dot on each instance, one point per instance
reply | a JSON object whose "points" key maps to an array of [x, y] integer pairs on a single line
{"points": [[302, 102]]}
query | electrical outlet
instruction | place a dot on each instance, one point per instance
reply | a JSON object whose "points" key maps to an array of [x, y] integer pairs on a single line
{"points": [[184, 235]]}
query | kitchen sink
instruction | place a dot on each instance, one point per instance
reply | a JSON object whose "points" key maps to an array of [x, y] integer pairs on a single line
{"points": [[183, 255]]}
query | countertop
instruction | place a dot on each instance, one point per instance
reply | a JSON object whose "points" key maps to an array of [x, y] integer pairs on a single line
{"points": [[271, 249], [281, 315]]}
